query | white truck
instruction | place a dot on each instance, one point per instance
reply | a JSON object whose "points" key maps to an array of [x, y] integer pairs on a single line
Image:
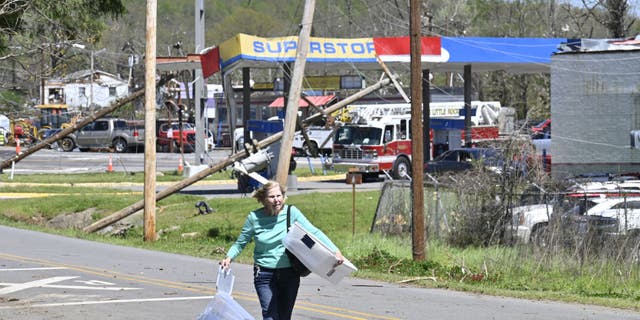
{"points": [[320, 138]]}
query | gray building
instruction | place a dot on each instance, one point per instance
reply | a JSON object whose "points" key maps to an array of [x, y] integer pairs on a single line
{"points": [[595, 107]]}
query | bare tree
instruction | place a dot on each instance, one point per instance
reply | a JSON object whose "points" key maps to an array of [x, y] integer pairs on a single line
{"points": [[613, 14]]}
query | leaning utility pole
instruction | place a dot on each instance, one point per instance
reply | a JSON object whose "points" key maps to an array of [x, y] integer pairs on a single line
{"points": [[417, 181], [150, 124], [293, 103]]}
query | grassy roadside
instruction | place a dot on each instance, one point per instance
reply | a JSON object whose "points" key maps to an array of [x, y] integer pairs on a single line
{"points": [[508, 271]]}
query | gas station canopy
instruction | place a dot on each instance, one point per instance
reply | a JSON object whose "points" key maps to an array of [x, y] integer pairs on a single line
{"points": [[439, 54]]}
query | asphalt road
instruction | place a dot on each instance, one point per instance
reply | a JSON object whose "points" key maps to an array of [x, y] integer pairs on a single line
{"points": [[48, 160], [44, 276], [53, 161]]}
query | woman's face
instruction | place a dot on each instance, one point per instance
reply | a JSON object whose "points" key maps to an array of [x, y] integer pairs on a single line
{"points": [[274, 201]]}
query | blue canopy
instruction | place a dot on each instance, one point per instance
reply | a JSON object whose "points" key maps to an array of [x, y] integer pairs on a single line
{"points": [[514, 55]]}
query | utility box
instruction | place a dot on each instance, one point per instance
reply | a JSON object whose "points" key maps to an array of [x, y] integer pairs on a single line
{"points": [[260, 130]]}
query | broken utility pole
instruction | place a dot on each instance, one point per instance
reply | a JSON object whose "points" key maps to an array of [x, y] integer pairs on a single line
{"points": [[291, 114]]}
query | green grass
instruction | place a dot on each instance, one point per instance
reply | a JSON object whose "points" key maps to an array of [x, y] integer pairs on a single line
{"points": [[133, 177], [518, 271]]}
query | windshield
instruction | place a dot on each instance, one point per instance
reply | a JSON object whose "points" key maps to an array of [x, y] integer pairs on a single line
{"points": [[358, 135], [176, 126]]}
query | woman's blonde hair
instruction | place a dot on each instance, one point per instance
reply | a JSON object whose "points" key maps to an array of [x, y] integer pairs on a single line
{"points": [[261, 193]]}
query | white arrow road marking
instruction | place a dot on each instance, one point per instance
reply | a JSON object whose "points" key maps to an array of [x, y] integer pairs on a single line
{"points": [[95, 283], [57, 286], [31, 269], [81, 303], [47, 283], [13, 287]]}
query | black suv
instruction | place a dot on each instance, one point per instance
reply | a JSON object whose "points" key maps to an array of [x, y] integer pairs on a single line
{"points": [[460, 159]]}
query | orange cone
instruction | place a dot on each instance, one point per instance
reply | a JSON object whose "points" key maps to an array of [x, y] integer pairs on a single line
{"points": [[180, 165], [110, 165], [18, 151]]}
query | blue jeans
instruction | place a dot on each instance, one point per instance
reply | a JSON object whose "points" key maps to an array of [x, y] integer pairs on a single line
{"points": [[277, 291]]}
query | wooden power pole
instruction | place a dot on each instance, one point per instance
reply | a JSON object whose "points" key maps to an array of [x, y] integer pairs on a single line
{"points": [[150, 124], [294, 94], [417, 182]]}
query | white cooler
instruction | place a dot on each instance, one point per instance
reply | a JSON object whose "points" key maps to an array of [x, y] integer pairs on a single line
{"points": [[315, 255]]}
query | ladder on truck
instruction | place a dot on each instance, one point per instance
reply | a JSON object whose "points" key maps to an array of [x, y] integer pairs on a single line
{"points": [[367, 112]]}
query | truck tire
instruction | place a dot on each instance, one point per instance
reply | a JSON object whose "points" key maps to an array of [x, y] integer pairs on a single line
{"points": [[401, 168], [67, 144], [119, 145]]}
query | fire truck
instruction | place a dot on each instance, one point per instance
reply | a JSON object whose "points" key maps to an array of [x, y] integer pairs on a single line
{"points": [[378, 137]]}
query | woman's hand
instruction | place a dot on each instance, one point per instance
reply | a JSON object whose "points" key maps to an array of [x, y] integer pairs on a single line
{"points": [[225, 263], [340, 259]]}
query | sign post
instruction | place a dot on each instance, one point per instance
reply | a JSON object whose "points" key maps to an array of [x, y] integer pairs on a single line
{"points": [[353, 179]]}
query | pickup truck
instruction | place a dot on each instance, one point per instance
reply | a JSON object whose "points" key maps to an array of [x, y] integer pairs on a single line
{"points": [[105, 133], [169, 137]]}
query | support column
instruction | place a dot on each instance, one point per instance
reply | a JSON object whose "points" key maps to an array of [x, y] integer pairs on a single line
{"points": [[467, 105], [198, 85]]}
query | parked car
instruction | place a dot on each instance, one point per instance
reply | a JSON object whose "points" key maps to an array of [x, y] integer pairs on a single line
{"points": [[460, 159], [628, 188], [105, 133], [626, 212], [169, 137], [532, 222], [598, 205]]}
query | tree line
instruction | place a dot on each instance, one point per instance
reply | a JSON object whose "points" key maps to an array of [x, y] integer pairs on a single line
{"points": [[38, 36]]}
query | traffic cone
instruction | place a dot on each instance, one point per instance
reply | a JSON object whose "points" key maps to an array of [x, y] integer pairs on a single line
{"points": [[18, 151], [180, 165], [110, 165]]}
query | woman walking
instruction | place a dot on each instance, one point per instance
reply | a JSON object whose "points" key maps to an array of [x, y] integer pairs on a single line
{"points": [[275, 281]]}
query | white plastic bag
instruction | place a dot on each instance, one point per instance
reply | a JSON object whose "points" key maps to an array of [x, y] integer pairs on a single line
{"points": [[224, 282], [223, 306]]}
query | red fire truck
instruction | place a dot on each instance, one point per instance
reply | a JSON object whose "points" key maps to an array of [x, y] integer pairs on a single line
{"points": [[381, 143]]}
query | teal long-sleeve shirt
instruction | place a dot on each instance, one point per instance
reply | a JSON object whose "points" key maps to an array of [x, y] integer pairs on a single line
{"points": [[268, 231]]}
